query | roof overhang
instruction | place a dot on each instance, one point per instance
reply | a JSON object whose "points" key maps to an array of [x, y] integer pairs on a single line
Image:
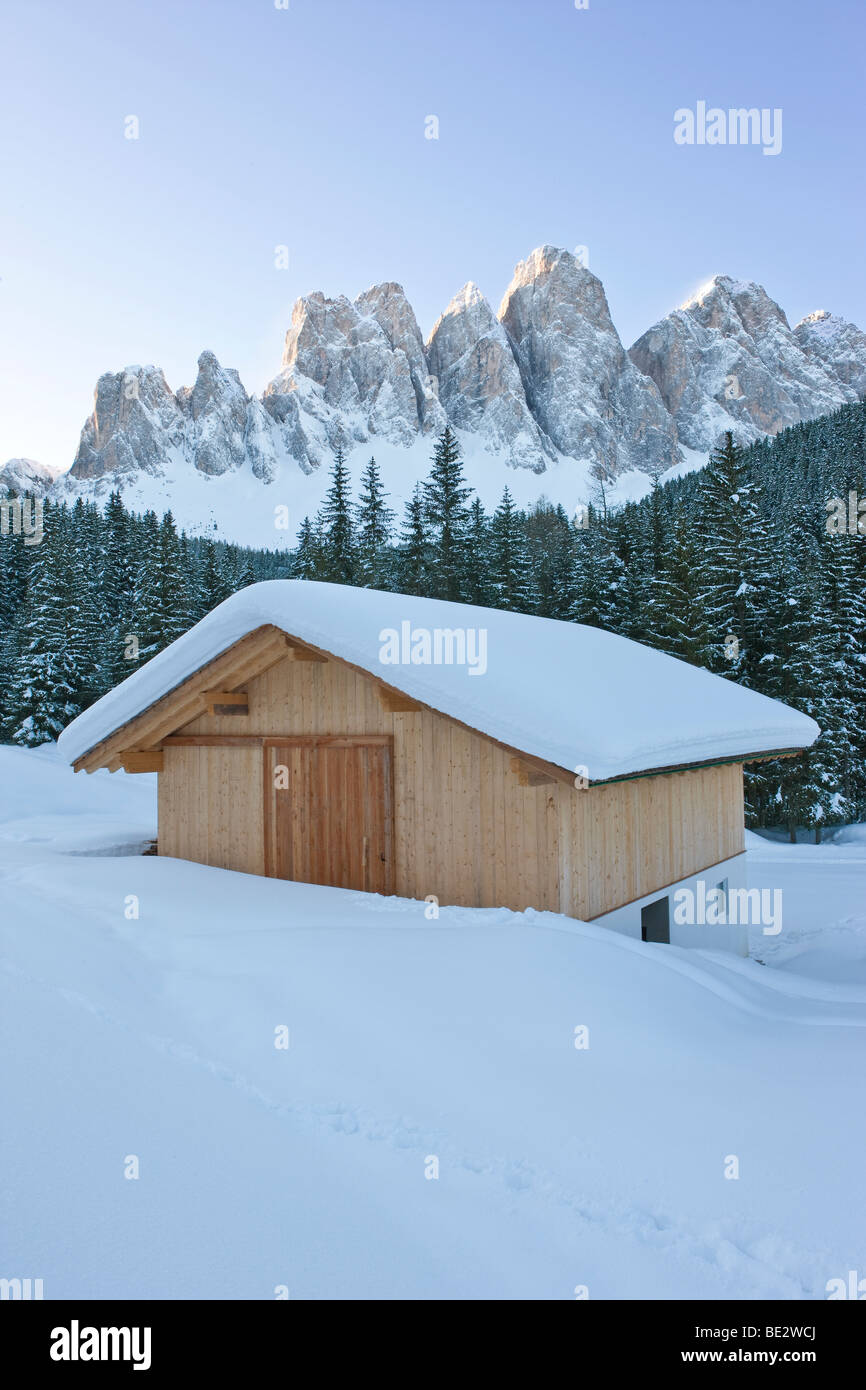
{"points": [[267, 645]]}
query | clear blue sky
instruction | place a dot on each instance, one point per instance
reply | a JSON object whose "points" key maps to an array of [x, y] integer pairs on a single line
{"points": [[305, 127]]}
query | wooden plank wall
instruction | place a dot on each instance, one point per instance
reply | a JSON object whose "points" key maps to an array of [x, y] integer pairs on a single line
{"points": [[210, 807], [632, 838], [303, 697], [465, 829]]}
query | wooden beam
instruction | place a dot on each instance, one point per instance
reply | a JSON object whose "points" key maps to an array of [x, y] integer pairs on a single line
{"points": [[300, 653], [213, 740], [284, 740], [252, 655], [327, 740], [395, 702], [529, 776], [149, 760], [226, 702]]}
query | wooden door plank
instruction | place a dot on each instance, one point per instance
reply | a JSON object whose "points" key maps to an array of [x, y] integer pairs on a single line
{"points": [[340, 795]]}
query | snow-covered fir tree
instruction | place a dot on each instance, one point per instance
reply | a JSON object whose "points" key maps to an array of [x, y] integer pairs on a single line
{"points": [[446, 511], [508, 558], [477, 580], [337, 550], [51, 662], [374, 522], [735, 563], [414, 556]]}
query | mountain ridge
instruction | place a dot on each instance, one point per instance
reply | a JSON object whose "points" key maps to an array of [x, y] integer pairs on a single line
{"points": [[542, 394]]}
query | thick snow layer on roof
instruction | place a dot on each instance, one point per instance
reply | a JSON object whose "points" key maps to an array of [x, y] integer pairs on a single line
{"points": [[573, 695]]}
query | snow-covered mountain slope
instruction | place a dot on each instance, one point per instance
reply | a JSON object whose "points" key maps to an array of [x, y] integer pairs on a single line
{"points": [[728, 360], [839, 345], [542, 396], [153, 988], [20, 476], [236, 506]]}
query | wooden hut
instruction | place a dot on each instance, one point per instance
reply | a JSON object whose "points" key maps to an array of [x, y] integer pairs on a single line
{"points": [[408, 746]]}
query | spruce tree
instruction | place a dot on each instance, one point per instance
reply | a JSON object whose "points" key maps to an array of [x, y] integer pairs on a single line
{"points": [[509, 565], [414, 557], [86, 618], [676, 615], [832, 697], [778, 793], [735, 564], [338, 556], [446, 512], [596, 572], [374, 522], [630, 563], [550, 550], [213, 584], [306, 560], [120, 583], [116, 586], [477, 585], [142, 639], [164, 605], [44, 689], [246, 574], [15, 558]]}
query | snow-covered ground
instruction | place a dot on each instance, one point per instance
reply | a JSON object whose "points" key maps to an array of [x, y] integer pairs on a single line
{"points": [[410, 1040], [824, 936]]}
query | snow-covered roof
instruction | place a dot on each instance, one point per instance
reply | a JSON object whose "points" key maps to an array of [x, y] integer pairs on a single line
{"points": [[574, 696]]}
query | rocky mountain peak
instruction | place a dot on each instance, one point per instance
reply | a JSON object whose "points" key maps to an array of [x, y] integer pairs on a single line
{"points": [[544, 384], [139, 425], [136, 422], [584, 392], [359, 367], [563, 280], [728, 360], [838, 345], [735, 306], [218, 406], [479, 381], [823, 322]]}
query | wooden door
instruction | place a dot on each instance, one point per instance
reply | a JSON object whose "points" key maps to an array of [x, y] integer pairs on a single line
{"points": [[331, 812]]}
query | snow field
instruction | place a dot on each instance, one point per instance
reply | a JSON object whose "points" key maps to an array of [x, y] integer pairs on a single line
{"points": [[154, 1036]]}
